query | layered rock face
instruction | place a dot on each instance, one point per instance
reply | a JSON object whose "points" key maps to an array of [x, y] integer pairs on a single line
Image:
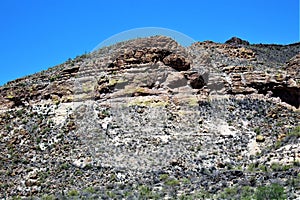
{"points": [[148, 118]]}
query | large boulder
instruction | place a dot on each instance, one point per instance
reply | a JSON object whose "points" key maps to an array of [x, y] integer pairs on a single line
{"points": [[177, 62]]}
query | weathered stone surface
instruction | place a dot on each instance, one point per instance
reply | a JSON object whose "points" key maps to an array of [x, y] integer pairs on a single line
{"points": [[148, 118], [245, 81], [196, 80], [260, 138], [292, 66], [175, 80], [177, 62]]}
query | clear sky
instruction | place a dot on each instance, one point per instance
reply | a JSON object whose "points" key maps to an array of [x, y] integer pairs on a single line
{"points": [[38, 34]]}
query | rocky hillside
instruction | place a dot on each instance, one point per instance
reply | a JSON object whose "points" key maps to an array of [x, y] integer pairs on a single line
{"points": [[150, 119]]}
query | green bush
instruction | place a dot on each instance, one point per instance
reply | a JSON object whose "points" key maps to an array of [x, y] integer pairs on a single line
{"points": [[257, 130], [146, 192], [163, 177], [273, 191], [90, 190], [48, 197], [229, 192], [295, 132], [172, 182], [247, 193], [73, 193]]}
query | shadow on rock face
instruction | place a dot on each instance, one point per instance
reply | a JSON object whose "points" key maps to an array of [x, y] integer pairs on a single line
{"points": [[288, 95]]}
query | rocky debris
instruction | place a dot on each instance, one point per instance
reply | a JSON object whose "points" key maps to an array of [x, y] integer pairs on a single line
{"points": [[149, 119], [82, 162]]}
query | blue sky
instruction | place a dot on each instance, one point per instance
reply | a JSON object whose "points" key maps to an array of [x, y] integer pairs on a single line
{"points": [[38, 34]]}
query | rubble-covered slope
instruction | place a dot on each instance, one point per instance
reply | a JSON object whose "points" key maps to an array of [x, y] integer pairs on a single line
{"points": [[148, 118]]}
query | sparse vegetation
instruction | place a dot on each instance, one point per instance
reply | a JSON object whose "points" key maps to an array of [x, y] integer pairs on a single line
{"points": [[257, 130], [252, 167], [279, 167], [65, 166], [48, 197], [172, 182], [73, 193], [137, 137], [54, 78], [163, 177], [90, 190], [145, 192], [273, 191], [229, 193], [294, 133], [111, 194]]}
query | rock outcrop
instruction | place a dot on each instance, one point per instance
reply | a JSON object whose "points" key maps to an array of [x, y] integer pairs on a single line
{"points": [[147, 118], [237, 41]]}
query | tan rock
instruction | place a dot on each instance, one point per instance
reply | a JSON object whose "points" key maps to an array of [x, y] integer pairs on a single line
{"points": [[260, 138]]}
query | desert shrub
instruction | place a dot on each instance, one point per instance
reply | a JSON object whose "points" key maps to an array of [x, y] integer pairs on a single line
{"points": [[273, 191]]}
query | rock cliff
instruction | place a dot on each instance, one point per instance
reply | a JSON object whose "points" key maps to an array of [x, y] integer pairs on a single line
{"points": [[148, 118]]}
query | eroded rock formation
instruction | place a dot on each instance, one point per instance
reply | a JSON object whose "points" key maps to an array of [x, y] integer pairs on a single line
{"points": [[148, 118]]}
